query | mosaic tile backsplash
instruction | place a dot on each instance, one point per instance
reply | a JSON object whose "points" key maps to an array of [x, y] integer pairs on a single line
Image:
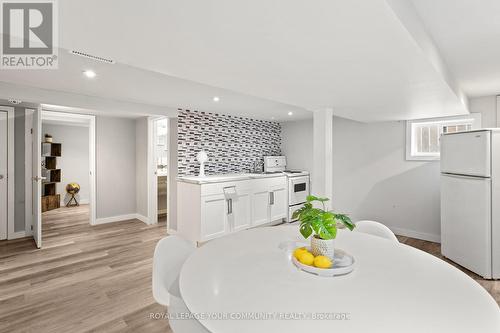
{"points": [[232, 143]]}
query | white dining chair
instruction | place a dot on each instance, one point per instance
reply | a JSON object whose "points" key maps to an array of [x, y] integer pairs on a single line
{"points": [[170, 254], [376, 229]]}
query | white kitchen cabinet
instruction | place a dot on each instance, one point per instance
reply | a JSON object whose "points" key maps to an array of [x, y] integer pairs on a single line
{"points": [[210, 210], [260, 207], [278, 203], [214, 222], [269, 205], [239, 218]]}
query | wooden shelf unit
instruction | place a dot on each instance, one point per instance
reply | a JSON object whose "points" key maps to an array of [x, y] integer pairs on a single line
{"points": [[50, 199], [51, 149], [51, 175]]}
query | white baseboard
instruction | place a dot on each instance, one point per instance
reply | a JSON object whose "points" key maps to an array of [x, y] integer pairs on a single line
{"points": [[417, 234], [120, 218], [142, 218], [117, 218], [81, 202], [19, 234]]}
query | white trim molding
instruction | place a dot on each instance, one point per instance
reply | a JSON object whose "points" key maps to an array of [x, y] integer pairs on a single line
{"points": [[85, 120], [121, 218], [416, 234], [152, 175], [475, 123], [10, 171], [28, 171]]}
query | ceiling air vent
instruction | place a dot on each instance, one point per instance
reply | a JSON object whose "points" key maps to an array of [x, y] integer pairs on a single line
{"points": [[93, 57]]}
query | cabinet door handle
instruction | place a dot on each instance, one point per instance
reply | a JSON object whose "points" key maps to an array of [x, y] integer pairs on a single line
{"points": [[229, 206], [271, 198]]}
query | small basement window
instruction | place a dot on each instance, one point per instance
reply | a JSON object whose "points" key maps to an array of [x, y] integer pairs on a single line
{"points": [[423, 136]]}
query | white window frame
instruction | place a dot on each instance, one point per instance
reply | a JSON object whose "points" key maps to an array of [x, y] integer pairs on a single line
{"points": [[474, 118]]}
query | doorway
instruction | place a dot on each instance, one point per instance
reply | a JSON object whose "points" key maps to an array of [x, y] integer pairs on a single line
{"points": [[158, 166], [68, 169], [6, 172]]}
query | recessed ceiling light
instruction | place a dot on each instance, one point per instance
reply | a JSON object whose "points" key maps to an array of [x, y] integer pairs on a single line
{"points": [[290, 113], [89, 74], [272, 118], [216, 98]]}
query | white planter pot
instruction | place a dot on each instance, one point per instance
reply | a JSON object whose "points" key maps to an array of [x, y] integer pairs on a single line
{"points": [[321, 247]]}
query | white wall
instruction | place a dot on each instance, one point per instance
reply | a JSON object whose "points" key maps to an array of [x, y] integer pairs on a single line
{"points": [[74, 160], [116, 166], [487, 106], [141, 165], [297, 144], [372, 179]]}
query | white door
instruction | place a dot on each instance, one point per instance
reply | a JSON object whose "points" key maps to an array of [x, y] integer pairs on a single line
{"points": [[466, 222], [278, 203], [214, 212], [260, 208], [466, 153], [241, 211], [37, 177], [3, 174]]}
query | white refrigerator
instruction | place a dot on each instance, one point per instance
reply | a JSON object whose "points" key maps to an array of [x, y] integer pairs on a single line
{"points": [[470, 200]]}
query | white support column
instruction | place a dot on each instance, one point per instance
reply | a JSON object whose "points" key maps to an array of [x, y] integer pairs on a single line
{"points": [[322, 176]]}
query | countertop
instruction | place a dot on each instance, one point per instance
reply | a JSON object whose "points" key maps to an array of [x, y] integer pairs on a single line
{"points": [[227, 177]]}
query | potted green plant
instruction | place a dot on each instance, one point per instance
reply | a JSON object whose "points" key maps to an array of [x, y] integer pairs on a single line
{"points": [[323, 224]]}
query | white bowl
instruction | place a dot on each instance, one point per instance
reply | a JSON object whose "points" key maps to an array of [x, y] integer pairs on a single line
{"points": [[343, 263]]}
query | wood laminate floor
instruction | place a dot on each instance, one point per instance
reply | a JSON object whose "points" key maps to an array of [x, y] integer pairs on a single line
{"points": [[95, 279], [492, 286], [85, 278]]}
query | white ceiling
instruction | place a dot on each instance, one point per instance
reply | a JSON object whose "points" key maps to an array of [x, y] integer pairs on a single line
{"points": [[468, 34], [132, 84], [367, 60]]}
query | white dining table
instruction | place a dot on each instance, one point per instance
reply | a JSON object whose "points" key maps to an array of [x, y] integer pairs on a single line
{"points": [[246, 282]]}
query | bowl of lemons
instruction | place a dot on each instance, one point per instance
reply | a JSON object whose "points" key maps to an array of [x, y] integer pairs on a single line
{"points": [[342, 263]]}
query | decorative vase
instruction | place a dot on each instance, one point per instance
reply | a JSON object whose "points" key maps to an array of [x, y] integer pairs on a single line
{"points": [[322, 247]]}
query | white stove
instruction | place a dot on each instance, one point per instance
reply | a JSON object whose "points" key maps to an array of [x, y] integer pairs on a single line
{"points": [[295, 173], [298, 183]]}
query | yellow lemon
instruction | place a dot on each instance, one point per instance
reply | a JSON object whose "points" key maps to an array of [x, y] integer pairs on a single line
{"points": [[322, 262], [298, 251], [306, 258]]}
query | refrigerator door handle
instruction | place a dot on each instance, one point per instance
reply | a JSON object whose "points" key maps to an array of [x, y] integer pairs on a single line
{"points": [[455, 175]]}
